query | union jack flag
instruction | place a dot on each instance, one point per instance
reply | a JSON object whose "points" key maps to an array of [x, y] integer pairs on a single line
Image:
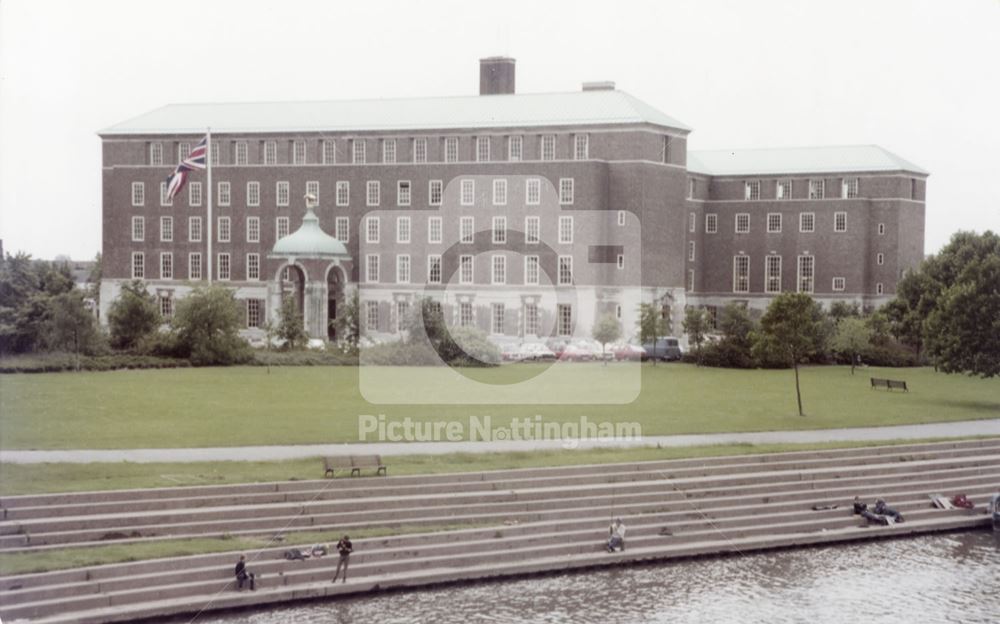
{"points": [[195, 160]]}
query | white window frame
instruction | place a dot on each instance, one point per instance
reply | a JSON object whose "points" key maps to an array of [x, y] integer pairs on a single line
{"points": [[194, 266], [879, 288], [282, 223], [420, 150], [817, 188], [692, 222], [156, 154], [581, 147], [371, 316], [533, 191], [389, 151], [138, 233], [564, 319], [312, 188], [780, 193], [435, 187], [772, 283], [166, 229], [515, 148], [467, 196], [850, 188], [359, 151], [565, 278], [691, 251], [466, 320], [500, 192], [532, 270], [751, 190], [138, 194], [547, 147], [194, 229], [881, 229], [270, 153], [241, 153], [498, 314], [166, 265], [342, 229], [329, 151], [482, 149], [253, 267], [621, 218], [799, 274], [566, 230], [531, 320], [298, 158], [711, 223], [620, 261], [224, 230], [253, 194], [802, 222], [282, 194], [690, 280], [194, 194], [434, 262], [836, 222], [138, 265], [165, 199], [373, 230], [736, 225], [741, 273], [774, 223], [403, 268], [343, 190], [880, 259], [566, 187], [224, 266], [225, 193], [466, 235], [451, 149], [183, 151], [435, 230], [499, 269], [532, 230], [373, 193], [404, 193], [839, 284], [372, 268], [499, 230], [404, 230], [253, 229], [466, 269], [255, 318]]}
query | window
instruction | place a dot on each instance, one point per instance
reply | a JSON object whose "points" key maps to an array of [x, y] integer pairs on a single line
{"points": [[253, 194], [156, 154], [468, 192], [690, 285], [691, 187], [223, 267], [342, 229], [564, 312], [514, 145], [498, 318], [499, 269], [194, 229], [403, 193], [435, 191], [741, 274], [403, 269], [581, 147], [451, 149], [533, 192], [138, 265], [253, 229], [281, 227], [420, 150], [784, 189], [255, 309], [880, 259], [691, 251], [166, 266], [403, 230], [499, 230], [433, 269], [531, 270], [166, 307], [774, 223], [343, 193], [482, 149], [371, 229], [373, 196], [225, 193], [194, 266], [565, 191], [224, 229], [532, 225], [371, 315], [565, 270], [711, 223], [240, 155], [434, 230], [807, 222], [499, 192], [840, 222], [329, 152], [621, 261], [253, 267], [839, 283], [312, 188], [183, 151], [742, 223], [166, 229], [692, 222], [270, 153], [621, 217], [531, 319], [548, 147], [465, 314], [298, 152], [465, 270], [566, 230], [281, 193], [879, 289], [807, 273], [466, 232], [138, 229], [358, 151], [751, 190], [881, 229], [194, 194], [402, 310], [850, 188], [138, 193], [389, 151], [165, 199], [371, 268], [772, 274], [816, 188]]}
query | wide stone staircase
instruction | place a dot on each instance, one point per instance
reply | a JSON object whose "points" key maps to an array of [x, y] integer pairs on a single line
{"points": [[518, 522]]}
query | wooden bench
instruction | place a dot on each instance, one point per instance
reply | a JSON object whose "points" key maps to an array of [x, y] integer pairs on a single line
{"points": [[354, 463], [889, 384]]}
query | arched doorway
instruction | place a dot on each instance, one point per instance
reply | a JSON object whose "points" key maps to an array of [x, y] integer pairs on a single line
{"points": [[292, 283], [334, 299]]}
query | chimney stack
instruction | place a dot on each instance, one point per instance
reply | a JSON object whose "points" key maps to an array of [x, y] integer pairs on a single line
{"points": [[496, 75]]}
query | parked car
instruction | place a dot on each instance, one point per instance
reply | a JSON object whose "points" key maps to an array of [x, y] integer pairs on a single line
{"points": [[666, 350], [536, 352], [624, 352], [510, 352], [557, 346]]}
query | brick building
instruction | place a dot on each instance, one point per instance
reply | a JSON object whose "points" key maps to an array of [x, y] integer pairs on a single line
{"points": [[525, 215]]}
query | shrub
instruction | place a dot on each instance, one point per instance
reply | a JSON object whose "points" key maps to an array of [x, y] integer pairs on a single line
{"points": [[58, 362], [302, 358]]}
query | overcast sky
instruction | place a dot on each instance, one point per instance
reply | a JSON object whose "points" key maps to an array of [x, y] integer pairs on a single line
{"points": [[918, 78]]}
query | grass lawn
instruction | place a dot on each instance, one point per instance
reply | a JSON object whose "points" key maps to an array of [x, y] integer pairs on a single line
{"points": [[296, 405]]}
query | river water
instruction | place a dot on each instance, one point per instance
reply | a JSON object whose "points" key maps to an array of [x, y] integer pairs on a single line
{"points": [[929, 579]]}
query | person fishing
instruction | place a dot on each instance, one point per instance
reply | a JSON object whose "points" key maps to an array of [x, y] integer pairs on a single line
{"points": [[345, 548], [243, 575]]}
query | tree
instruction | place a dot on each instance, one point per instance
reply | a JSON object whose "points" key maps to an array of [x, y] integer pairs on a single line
{"points": [[206, 326], [606, 329], [852, 338], [133, 316], [71, 325], [348, 323], [651, 325], [290, 328], [792, 329], [696, 326], [842, 309], [94, 280], [736, 326]]}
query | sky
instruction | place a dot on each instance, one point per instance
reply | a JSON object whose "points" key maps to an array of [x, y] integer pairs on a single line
{"points": [[919, 78]]}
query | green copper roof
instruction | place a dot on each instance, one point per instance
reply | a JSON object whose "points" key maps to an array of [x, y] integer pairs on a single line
{"points": [[309, 241]]}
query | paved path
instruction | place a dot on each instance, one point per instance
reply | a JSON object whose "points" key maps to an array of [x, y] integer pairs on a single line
{"points": [[265, 453]]}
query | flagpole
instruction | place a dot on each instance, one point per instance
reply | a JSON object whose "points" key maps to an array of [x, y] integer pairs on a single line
{"points": [[208, 166]]}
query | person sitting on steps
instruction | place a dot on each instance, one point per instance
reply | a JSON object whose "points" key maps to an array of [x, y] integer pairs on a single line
{"points": [[883, 510], [243, 575], [617, 536], [345, 548]]}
